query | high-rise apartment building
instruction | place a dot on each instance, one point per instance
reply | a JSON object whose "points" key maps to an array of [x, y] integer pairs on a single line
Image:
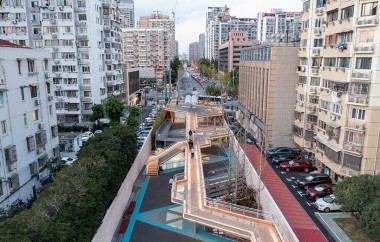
{"points": [[127, 13], [229, 52], [219, 23], [193, 52], [146, 48], [266, 91], [161, 21], [337, 107], [278, 21], [28, 122], [84, 39], [202, 45]]}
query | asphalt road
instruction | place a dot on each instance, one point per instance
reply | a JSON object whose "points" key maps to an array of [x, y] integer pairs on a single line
{"points": [[289, 179]]}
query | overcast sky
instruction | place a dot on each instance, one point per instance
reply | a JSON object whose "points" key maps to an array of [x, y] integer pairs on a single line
{"points": [[191, 14]]}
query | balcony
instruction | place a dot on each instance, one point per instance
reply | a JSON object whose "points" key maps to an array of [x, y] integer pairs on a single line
{"points": [[86, 99], [107, 39], [84, 62], [107, 29], [106, 16], [367, 21], [80, 23], [36, 23], [79, 9], [315, 71], [82, 36], [108, 62], [35, 9], [313, 90], [107, 50], [106, 4], [53, 21], [37, 36], [364, 49], [358, 99], [361, 75], [356, 148], [85, 87]]}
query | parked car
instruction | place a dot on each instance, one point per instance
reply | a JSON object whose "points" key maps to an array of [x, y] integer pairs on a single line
{"points": [[279, 151], [68, 161], [327, 204], [322, 190], [313, 179], [86, 136], [296, 165], [285, 158]]}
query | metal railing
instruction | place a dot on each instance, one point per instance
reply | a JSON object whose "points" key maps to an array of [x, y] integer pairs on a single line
{"points": [[202, 182]]}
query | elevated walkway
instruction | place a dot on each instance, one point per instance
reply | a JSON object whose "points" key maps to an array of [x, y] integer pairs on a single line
{"points": [[165, 155]]}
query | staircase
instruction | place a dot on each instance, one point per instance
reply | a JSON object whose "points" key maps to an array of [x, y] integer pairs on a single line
{"points": [[165, 155]]}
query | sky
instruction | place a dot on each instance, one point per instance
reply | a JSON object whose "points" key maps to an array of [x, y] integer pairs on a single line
{"points": [[191, 14]]}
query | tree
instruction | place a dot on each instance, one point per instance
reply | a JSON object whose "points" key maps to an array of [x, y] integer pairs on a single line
{"points": [[175, 65], [97, 112], [146, 91], [133, 113], [356, 193], [114, 108], [370, 222], [213, 90]]}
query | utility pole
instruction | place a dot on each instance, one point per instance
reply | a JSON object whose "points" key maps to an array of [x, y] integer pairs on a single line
{"points": [[170, 83], [155, 74], [165, 86]]}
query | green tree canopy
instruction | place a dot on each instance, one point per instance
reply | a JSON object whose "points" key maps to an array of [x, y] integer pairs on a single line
{"points": [[97, 112], [134, 111], [370, 222], [213, 90], [357, 192], [114, 108], [175, 65]]}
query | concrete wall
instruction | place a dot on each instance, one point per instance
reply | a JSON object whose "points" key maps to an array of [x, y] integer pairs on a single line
{"points": [[111, 220]]}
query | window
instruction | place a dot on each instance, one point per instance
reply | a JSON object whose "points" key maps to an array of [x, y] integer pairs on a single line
{"points": [[14, 183], [345, 37], [19, 66], [316, 62], [35, 115], [329, 62], [318, 22], [369, 9], [315, 81], [314, 99], [33, 91], [1, 98], [50, 110], [82, 17], [344, 62], [303, 43], [321, 3], [48, 87], [4, 127], [25, 119], [33, 168], [300, 97], [338, 109], [347, 12], [31, 67], [22, 94], [332, 16], [306, 5], [1, 188], [363, 63], [358, 113], [305, 24], [352, 161], [318, 42], [325, 105], [331, 39], [359, 88], [366, 36], [31, 143], [41, 138], [355, 138]]}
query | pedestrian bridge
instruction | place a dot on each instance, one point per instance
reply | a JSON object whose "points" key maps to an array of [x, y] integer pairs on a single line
{"points": [[189, 187]]}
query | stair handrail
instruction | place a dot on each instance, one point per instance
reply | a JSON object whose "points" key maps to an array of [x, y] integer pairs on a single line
{"points": [[167, 148]]}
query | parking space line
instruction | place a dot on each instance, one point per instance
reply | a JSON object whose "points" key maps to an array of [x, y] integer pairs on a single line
{"points": [[288, 179], [282, 172], [301, 194], [310, 204], [294, 186]]}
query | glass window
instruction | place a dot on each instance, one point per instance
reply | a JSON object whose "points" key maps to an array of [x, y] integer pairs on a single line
{"points": [[35, 115], [4, 127], [321, 3], [25, 119], [369, 9], [337, 109], [347, 12], [31, 67], [332, 16], [318, 42], [325, 105], [1, 98], [366, 36], [306, 5], [82, 17], [358, 113], [344, 62], [33, 91], [363, 63], [329, 62]]}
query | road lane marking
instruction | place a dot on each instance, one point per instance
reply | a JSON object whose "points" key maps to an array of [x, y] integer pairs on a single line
{"points": [[288, 179], [282, 172], [294, 186], [310, 204], [301, 194]]}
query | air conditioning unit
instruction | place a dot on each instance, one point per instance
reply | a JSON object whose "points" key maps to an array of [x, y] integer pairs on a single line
{"points": [[377, 172], [41, 125], [332, 117], [315, 71], [37, 102], [55, 48], [360, 126], [40, 176], [307, 144], [53, 21], [358, 48], [57, 61], [14, 21], [60, 8], [300, 104], [40, 150], [54, 35], [50, 98], [359, 22], [316, 52], [51, 8], [58, 88], [47, 75], [317, 32], [2, 82], [346, 172], [12, 167]]}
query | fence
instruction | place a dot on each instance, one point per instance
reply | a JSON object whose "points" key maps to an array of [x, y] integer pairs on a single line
{"points": [[111, 220]]}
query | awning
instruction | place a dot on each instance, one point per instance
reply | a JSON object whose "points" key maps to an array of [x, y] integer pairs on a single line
{"points": [[325, 142], [335, 97], [299, 111], [353, 153], [334, 125]]}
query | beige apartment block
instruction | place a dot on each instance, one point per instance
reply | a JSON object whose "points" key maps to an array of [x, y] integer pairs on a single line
{"points": [[337, 116], [266, 92]]}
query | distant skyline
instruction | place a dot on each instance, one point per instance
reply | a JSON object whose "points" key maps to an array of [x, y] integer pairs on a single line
{"points": [[191, 14]]}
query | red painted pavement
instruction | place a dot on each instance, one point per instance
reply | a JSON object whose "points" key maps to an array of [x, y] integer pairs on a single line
{"points": [[302, 225]]}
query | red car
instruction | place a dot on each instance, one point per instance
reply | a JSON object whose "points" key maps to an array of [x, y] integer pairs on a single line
{"points": [[319, 191], [296, 165]]}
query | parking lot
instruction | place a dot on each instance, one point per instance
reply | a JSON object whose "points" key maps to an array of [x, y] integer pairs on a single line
{"points": [[289, 178]]}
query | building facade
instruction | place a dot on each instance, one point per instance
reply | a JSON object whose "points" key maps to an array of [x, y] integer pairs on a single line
{"points": [[202, 46], [193, 52], [337, 114], [145, 48], [75, 32], [229, 52], [28, 122], [127, 13], [132, 85], [161, 21], [278, 22], [266, 91]]}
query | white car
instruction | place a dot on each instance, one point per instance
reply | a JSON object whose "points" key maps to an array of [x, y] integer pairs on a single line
{"points": [[327, 204], [86, 136], [68, 161]]}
